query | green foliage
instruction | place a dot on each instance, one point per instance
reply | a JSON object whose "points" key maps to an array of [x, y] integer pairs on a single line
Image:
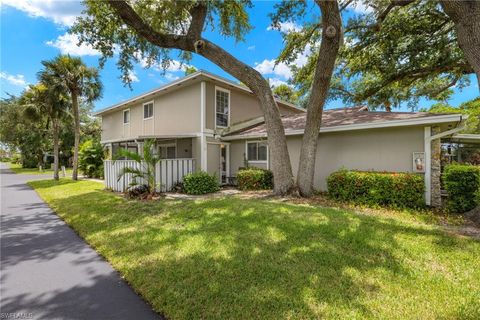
{"points": [[31, 137], [470, 108], [412, 54], [71, 75], [462, 183], [200, 183], [145, 172], [90, 157], [105, 31], [254, 179], [286, 93], [399, 190], [190, 70]]}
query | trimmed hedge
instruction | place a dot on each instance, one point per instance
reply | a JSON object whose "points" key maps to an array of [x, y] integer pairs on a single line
{"points": [[254, 179], [462, 183], [200, 183], [399, 190]]}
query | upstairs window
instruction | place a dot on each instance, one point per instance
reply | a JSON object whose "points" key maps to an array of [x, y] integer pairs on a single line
{"points": [[257, 151], [126, 116], [222, 107], [148, 110]]}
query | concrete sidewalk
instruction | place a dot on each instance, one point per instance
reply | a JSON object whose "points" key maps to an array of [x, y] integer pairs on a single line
{"points": [[47, 271]]}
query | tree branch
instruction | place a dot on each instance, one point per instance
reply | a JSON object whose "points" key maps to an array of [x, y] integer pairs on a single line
{"points": [[445, 87], [345, 5], [199, 14], [464, 68], [391, 5], [132, 19]]}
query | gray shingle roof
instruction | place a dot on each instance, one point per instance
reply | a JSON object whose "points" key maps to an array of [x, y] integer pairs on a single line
{"points": [[338, 117]]}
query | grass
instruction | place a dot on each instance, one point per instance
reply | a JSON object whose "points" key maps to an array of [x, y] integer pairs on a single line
{"points": [[17, 168], [236, 258]]}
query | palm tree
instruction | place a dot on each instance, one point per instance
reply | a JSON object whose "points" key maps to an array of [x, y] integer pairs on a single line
{"points": [[82, 82], [146, 165], [40, 100]]}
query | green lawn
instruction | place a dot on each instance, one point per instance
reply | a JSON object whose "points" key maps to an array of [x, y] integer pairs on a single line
{"points": [[17, 168], [240, 259]]}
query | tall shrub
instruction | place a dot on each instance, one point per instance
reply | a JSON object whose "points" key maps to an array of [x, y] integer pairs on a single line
{"points": [[462, 183], [91, 159], [255, 179], [398, 190], [200, 183]]}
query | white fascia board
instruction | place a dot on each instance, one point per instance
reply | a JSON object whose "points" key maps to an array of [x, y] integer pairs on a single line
{"points": [[467, 136], [363, 126]]}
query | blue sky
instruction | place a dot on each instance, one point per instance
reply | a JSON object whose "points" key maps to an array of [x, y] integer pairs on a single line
{"points": [[36, 30]]}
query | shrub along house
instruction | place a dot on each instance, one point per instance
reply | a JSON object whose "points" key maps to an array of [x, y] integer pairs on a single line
{"points": [[219, 125]]}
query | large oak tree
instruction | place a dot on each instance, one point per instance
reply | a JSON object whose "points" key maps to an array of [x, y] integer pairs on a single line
{"points": [[400, 51]]}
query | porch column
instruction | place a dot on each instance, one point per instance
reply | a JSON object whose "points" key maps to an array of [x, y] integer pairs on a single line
{"points": [[140, 147], [435, 165]]}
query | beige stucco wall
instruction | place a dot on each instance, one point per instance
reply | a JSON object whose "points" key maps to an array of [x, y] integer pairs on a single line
{"points": [[377, 149], [237, 157], [243, 106], [184, 148], [112, 126], [176, 112]]}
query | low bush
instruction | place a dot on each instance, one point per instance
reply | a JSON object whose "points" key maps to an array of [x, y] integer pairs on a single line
{"points": [[138, 191], [255, 179], [462, 183], [90, 159], [200, 183], [398, 190]]}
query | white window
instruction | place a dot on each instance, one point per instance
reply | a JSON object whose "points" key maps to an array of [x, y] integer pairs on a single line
{"points": [[167, 151], [257, 151], [222, 107], [148, 110], [126, 116]]}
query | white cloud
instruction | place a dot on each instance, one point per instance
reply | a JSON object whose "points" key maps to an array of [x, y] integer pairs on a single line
{"points": [[68, 44], [282, 70], [61, 12], [133, 76], [269, 67], [360, 8], [275, 82], [251, 48], [16, 80], [286, 27], [171, 77]]}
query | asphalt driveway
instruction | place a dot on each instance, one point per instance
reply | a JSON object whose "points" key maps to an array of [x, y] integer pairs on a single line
{"points": [[47, 271]]}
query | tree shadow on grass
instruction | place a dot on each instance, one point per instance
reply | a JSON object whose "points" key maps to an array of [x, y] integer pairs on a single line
{"points": [[232, 258]]}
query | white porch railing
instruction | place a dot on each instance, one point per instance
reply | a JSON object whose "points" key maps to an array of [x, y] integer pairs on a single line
{"points": [[167, 173]]}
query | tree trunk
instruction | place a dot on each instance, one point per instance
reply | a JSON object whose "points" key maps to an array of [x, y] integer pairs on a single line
{"points": [[55, 148], [331, 39], [466, 16], [76, 117]]}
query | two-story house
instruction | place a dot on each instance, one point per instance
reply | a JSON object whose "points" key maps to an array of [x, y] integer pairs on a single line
{"points": [[220, 124]]}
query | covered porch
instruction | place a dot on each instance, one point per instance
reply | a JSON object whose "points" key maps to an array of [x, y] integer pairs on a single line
{"points": [[168, 147]]}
